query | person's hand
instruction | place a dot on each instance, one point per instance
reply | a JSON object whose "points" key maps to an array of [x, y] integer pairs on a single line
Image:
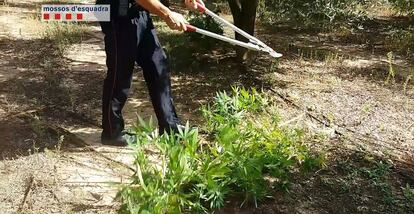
{"points": [[176, 21], [192, 4]]}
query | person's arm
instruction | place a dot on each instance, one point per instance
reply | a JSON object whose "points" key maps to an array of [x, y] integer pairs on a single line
{"points": [[174, 20]]}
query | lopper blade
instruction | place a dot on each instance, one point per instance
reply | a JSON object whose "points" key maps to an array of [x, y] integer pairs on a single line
{"points": [[271, 52], [275, 54]]}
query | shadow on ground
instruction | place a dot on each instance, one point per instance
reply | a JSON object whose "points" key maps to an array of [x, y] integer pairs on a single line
{"points": [[350, 182], [45, 88]]}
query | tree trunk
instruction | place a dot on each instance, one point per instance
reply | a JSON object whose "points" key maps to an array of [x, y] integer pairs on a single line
{"points": [[244, 16]]}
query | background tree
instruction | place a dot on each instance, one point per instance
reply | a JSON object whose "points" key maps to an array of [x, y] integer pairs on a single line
{"points": [[244, 16]]}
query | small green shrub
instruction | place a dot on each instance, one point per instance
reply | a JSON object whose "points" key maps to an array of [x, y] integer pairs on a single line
{"points": [[311, 12], [231, 109], [401, 41], [207, 23], [181, 50], [408, 193], [246, 155], [404, 6]]}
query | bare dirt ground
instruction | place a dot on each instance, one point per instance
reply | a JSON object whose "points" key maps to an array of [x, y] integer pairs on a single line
{"points": [[44, 96]]}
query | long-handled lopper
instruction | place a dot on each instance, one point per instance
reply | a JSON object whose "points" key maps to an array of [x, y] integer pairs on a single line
{"points": [[253, 44]]}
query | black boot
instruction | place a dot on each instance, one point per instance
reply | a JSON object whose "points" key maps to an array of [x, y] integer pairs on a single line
{"points": [[121, 140]]}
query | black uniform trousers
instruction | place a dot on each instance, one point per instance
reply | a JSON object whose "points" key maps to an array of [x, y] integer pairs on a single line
{"points": [[129, 40]]}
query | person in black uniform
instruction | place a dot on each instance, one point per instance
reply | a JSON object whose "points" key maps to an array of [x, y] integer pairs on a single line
{"points": [[130, 38]]}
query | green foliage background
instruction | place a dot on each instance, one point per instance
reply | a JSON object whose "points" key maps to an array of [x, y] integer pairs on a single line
{"points": [[310, 11], [405, 6]]}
